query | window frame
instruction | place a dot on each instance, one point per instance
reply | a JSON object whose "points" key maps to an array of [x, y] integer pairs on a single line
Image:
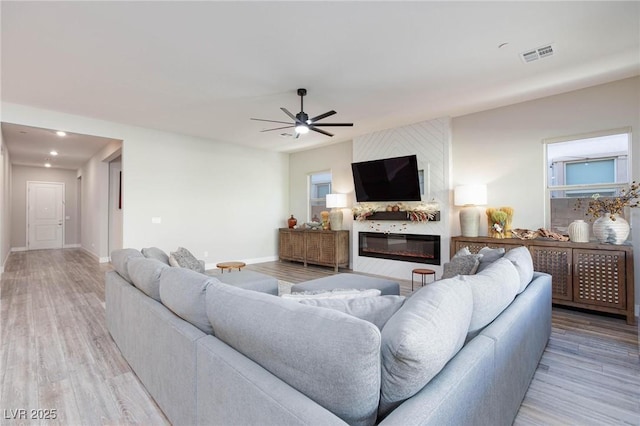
{"points": [[616, 186]]}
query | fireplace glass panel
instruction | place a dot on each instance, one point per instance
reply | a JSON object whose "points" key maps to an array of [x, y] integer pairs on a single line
{"points": [[405, 247]]}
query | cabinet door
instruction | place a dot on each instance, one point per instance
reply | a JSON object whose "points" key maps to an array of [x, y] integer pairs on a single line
{"points": [[475, 246], [291, 245], [599, 278], [557, 262], [321, 247]]}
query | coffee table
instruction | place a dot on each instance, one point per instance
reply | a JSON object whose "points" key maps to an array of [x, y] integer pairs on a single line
{"points": [[230, 266]]}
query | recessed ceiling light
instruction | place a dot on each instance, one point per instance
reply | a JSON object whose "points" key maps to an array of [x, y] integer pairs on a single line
{"points": [[47, 164], [54, 153], [61, 133]]}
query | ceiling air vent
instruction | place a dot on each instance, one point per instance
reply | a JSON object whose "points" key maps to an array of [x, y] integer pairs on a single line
{"points": [[539, 53]]}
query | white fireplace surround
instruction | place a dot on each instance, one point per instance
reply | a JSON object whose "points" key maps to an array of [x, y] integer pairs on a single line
{"points": [[430, 142]]}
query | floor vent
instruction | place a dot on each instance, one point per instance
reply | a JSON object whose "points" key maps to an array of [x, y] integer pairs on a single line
{"points": [[539, 53]]}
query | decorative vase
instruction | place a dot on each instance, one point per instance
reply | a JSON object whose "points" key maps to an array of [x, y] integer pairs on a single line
{"points": [[579, 231], [292, 222], [611, 231]]}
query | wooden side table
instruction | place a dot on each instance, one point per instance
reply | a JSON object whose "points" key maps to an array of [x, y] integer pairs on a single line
{"points": [[424, 273], [230, 266]]}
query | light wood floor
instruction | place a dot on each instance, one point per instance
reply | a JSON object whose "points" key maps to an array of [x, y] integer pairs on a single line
{"points": [[56, 354]]}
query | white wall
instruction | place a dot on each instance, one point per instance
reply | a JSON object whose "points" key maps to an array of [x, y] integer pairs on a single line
{"points": [[211, 196], [115, 211], [335, 158], [5, 206], [19, 177], [503, 147], [430, 142]]}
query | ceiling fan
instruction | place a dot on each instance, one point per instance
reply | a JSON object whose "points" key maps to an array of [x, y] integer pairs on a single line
{"points": [[301, 121]]}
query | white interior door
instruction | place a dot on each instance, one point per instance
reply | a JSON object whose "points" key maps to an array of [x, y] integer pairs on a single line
{"points": [[45, 215]]}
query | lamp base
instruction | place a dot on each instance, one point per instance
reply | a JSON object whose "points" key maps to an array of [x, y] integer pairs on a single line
{"points": [[469, 221], [335, 218]]}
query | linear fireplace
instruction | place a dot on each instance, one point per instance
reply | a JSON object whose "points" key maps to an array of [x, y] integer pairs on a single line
{"points": [[406, 247]]}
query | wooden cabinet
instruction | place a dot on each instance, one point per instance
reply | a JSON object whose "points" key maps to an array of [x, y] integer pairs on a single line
{"points": [[327, 248], [592, 276]]}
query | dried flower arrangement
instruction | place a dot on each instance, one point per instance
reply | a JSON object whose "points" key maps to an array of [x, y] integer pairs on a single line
{"points": [[600, 206], [499, 222], [420, 212]]}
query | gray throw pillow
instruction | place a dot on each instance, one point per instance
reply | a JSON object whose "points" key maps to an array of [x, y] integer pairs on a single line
{"points": [[461, 265], [156, 253], [185, 259], [419, 339], [120, 260], [183, 292], [521, 259], [489, 255], [493, 290], [376, 310], [145, 275]]}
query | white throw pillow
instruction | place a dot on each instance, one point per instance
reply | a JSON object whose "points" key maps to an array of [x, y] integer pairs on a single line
{"points": [[333, 294], [376, 310]]}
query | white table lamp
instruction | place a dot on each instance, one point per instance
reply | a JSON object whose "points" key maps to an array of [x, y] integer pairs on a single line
{"points": [[336, 202], [470, 196]]}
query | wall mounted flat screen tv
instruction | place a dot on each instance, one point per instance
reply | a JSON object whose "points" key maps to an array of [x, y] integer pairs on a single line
{"points": [[389, 179]]}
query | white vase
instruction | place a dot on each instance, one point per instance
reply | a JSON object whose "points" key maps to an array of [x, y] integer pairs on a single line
{"points": [[579, 231], [611, 231]]}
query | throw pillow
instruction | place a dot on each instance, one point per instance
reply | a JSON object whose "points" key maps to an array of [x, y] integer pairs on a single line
{"points": [[521, 259], [489, 255], [419, 339], [120, 261], [156, 253], [183, 258], [376, 310], [464, 251], [461, 265], [339, 293], [145, 275], [183, 292], [493, 290], [330, 356]]}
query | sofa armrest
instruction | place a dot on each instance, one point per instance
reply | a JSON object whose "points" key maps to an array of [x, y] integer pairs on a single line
{"points": [[232, 389]]}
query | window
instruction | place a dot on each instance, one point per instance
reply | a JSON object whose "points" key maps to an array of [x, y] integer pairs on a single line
{"points": [[319, 187], [581, 166]]}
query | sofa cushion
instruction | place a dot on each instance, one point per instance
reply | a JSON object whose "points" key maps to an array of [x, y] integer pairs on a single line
{"points": [[120, 260], [489, 255], [338, 293], [461, 265], [183, 292], [376, 310], [419, 339], [493, 290], [184, 259], [156, 253], [145, 275], [521, 259], [330, 356]]}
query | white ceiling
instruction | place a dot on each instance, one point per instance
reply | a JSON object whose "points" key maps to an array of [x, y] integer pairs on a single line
{"points": [[205, 68]]}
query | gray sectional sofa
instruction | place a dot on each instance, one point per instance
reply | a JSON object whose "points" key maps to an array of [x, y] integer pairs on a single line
{"points": [[460, 351]]}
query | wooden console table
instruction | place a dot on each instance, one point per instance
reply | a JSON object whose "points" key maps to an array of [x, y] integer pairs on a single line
{"points": [[316, 247], [593, 276]]}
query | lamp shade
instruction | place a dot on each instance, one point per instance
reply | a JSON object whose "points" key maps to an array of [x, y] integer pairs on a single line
{"points": [[338, 201], [470, 195]]}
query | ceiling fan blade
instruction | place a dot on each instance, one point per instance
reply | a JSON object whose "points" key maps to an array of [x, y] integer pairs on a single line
{"points": [[334, 124], [270, 121], [277, 128], [320, 131], [321, 116], [286, 111]]}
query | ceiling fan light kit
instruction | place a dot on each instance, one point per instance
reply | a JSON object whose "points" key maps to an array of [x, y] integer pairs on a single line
{"points": [[302, 123]]}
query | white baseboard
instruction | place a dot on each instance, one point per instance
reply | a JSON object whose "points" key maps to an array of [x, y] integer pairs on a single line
{"points": [[637, 313], [104, 260], [18, 249], [71, 246], [260, 259]]}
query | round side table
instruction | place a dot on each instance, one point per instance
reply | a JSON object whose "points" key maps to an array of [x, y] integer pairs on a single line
{"points": [[230, 266], [424, 273]]}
